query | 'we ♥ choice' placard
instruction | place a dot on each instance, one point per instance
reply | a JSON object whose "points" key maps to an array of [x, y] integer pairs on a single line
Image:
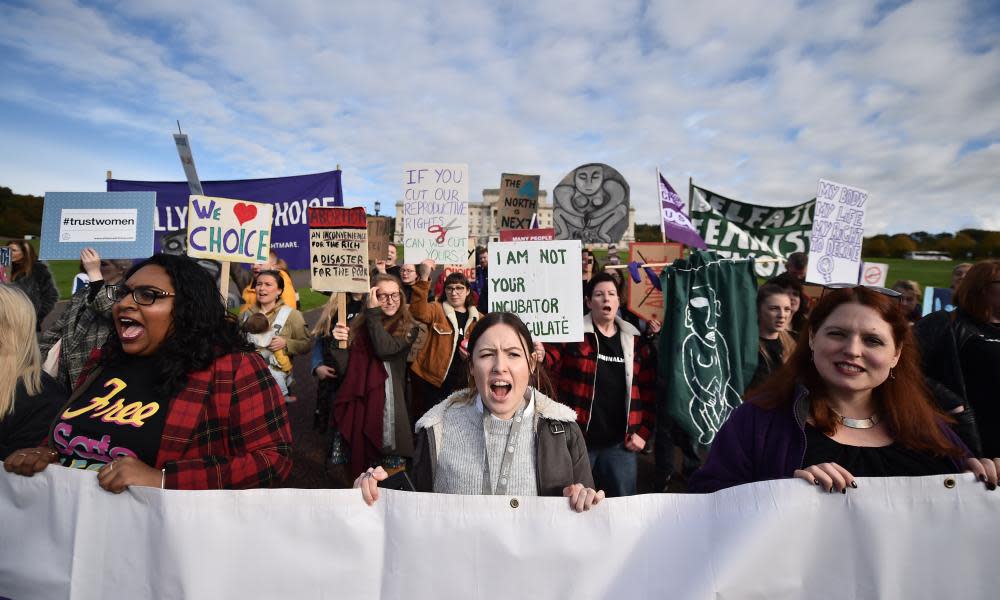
{"points": [[228, 230]]}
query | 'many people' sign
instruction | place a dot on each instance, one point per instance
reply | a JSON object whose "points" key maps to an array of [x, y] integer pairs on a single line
{"points": [[435, 212], [230, 230], [338, 249], [540, 282], [837, 231]]}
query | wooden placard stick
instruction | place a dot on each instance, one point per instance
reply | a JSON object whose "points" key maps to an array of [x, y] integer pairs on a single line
{"points": [[342, 314], [224, 282]]}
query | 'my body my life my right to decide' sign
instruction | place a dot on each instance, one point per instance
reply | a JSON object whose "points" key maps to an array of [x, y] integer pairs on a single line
{"points": [[837, 231], [539, 282]]}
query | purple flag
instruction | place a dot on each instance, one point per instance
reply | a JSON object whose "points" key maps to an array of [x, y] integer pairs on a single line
{"points": [[676, 224], [291, 196]]}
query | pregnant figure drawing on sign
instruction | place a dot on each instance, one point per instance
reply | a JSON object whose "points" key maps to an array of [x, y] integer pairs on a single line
{"points": [[591, 208], [705, 356]]}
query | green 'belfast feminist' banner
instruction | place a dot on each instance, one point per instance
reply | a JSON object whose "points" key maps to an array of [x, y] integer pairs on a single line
{"points": [[737, 229]]}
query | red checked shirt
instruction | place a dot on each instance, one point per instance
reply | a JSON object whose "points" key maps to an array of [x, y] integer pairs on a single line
{"points": [[227, 429], [573, 370]]}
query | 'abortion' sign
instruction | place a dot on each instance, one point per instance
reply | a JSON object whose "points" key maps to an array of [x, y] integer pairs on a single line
{"points": [[228, 230]]}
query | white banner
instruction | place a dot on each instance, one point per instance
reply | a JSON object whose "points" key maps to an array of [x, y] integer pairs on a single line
{"points": [[541, 283], [61, 536]]}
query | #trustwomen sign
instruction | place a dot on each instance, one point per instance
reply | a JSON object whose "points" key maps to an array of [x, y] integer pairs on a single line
{"points": [[116, 224], [338, 247], [539, 282], [230, 230]]}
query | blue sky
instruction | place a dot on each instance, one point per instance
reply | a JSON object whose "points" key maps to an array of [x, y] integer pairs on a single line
{"points": [[756, 100]]}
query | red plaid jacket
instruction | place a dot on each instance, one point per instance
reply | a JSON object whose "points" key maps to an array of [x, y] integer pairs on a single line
{"points": [[227, 429], [573, 369]]}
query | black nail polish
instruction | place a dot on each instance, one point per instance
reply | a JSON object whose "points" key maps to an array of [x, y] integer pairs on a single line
{"points": [[854, 484], [982, 478], [843, 491], [991, 486], [816, 481], [831, 489]]}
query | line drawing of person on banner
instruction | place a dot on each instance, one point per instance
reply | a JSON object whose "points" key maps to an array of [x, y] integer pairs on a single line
{"points": [[593, 209], [705, 356]]}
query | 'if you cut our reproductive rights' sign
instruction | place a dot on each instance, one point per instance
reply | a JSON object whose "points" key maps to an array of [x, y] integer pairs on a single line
{"points": [[540, 282], [435, 212], [228, 230]]}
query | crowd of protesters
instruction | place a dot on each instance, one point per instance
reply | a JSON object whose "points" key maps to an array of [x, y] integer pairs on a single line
{"points": [[421, 388]]}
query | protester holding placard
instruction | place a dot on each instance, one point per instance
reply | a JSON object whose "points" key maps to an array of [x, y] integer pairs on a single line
{"points": [[287, 324], [85, 324], [961, 357], [850, 403], [33, 278], [370, 410], [29, 397], [175, 399], [476, 441], [441, 365], [774, 315], [608, 378]]}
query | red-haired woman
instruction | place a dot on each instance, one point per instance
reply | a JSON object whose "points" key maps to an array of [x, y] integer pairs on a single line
{"points": [[961, 352], [850, 403]]}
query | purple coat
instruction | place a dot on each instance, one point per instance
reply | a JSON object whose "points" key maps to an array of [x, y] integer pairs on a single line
{"points": [[757, 444]]}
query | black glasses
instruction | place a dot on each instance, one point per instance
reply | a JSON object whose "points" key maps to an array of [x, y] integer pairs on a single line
{"points": [[393, 297], [143, 295], [877, 289]]}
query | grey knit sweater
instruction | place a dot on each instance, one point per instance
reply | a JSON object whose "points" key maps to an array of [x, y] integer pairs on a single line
{"points": [[465, 441]]}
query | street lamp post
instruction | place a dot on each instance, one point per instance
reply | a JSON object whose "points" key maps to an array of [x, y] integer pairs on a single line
{"points": [[378, 207]]}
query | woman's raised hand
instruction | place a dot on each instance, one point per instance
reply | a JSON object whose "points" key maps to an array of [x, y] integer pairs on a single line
{"points": [[368, 482], [373, 298], [582, 498], [341, 333], [830, 477]]}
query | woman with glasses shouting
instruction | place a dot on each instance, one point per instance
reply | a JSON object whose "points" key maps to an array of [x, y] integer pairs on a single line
{"points": [[850, 402], [370, 410], [175, 398], [441, 364]]}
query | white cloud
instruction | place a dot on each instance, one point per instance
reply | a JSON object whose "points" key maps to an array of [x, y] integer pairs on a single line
{"points": [[756, 100]]}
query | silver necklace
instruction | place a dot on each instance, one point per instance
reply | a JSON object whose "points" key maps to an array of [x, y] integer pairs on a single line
{"points": [[868, 423]]}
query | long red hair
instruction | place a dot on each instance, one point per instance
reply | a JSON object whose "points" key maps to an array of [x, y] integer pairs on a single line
{"points": [[902, 400]]}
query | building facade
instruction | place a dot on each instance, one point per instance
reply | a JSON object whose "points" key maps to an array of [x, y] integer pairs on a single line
{"points": [[483, 219]]}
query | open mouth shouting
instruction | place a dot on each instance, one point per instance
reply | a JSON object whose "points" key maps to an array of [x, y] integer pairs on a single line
{"points": [[129, 330], [500, 389]]}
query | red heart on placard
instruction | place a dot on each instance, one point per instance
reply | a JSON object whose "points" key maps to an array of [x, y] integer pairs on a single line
{"points": [[244, 212]]}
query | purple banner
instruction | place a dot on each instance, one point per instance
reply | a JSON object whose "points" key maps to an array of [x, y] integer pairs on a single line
{"points": [[676, 224], [291, 197]]}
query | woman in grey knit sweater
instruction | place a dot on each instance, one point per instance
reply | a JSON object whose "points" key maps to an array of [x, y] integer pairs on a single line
{"points": [[501, 436]]}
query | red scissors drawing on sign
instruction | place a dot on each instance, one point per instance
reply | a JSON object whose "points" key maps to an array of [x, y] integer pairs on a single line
{"points": [[442, 230]]}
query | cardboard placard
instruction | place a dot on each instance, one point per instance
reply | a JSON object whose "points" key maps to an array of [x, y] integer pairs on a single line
{"points": [[228, 230], [837, 231], [518, 200], [378, 238], [338, 250], [116, 224], [540, 282], [435, 215], [644, 300], [527, 235]]}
